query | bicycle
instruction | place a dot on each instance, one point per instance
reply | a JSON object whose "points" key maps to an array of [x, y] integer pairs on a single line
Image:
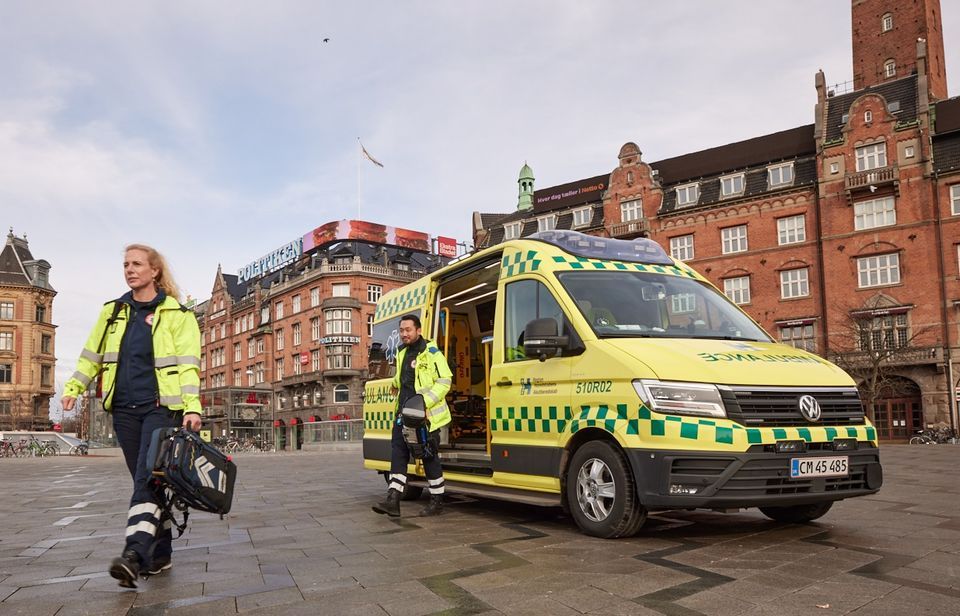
{"points": [[934, 436]]}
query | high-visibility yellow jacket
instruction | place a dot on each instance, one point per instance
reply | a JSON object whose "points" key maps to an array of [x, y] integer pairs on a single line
{"points": [[176, 356], [433, 378]]}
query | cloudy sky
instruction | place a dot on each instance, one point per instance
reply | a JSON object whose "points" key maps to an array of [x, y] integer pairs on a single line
{"points": [[218, 131]]}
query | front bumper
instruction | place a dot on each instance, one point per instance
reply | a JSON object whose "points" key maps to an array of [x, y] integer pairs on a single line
{"points": [[756, 478]]}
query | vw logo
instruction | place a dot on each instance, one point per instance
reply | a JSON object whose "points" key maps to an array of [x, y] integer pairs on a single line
{"points": [[809, 408]]}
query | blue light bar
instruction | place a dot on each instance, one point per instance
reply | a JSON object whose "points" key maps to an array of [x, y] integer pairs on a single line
{"points": [[640, 250]]}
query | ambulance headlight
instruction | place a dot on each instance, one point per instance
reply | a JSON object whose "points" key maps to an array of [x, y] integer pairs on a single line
{"points": [[676, 398]]}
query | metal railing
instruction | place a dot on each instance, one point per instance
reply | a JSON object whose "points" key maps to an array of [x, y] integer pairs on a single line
{"points": [[872, 177], [344, 431]]}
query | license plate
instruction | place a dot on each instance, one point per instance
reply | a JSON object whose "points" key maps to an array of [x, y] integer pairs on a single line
{"points": [[835, 466]]}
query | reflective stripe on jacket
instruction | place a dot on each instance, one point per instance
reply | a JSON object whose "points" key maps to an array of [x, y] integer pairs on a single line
{"points": [[176, 354], [433, 380]]}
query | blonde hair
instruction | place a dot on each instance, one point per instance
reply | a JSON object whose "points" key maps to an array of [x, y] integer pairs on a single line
{"points": [[164, 279]]}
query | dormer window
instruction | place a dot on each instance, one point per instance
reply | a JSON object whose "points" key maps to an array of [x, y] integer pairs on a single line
{"points": [[886, 22], [688, 194], [780, 175], [547, 223], [582, 217], [511, 231], [731, 185]]}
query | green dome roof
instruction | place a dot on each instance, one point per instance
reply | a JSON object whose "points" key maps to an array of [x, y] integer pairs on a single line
{"points": [[526, 173]]}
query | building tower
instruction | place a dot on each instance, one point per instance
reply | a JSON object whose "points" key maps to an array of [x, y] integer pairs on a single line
{"points": [[525, 181], [885, 36]]}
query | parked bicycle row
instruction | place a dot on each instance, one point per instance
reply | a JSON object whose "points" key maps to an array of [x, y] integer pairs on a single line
{"points": [[232, 444], [34, 448], [935, 435]]}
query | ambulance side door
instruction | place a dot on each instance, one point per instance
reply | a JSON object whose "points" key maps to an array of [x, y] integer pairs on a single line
{"points": [[529, 399]]}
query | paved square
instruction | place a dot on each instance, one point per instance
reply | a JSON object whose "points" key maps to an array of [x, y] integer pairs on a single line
{"points": [[302, 540]]}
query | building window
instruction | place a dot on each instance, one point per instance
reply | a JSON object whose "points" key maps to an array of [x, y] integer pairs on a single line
{"points": [[250, 349], [278, 339], [731, 185], [734, 239], [879, 270], [41, 313], [682, 247], [886, 22], [45, 376], [46, 343], [296, 334], [683, 303], [834, 168], [688, 194], [260, 371], [315, 328], [954, 203], [340, 289], [341, 394], [631, 210], [250, 378], [780, 175], [278, 310], [236, 351], [6, 341], [511, 231], [886, 332], [260, 346], [874, 213], [237, 379], [908, 151], [6, 373], [872, 156], [296, 304], [799, 336], [370, 325], [547, 223], [315, 360], [582, 217], [314, 297], [374, 291], [279, 369], [737, 289], [297, 365], [795, 283], [338, 321], [4, 408], [867, 116], [6, 311], [890, 68], [339, 356], [791, 230]]}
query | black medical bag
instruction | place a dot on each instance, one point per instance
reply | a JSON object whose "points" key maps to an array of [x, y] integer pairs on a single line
{"points": [[194, 473]]}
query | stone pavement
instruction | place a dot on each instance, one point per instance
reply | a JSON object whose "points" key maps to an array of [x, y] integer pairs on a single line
{"points": [[302, 540]]}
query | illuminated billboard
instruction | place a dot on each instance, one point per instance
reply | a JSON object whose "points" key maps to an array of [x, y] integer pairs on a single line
{"points": [[363, 231]]}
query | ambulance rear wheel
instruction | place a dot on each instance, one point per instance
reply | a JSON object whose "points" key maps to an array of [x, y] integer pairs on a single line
{"points": [[410, 493], [797, 514], [601, 492]]}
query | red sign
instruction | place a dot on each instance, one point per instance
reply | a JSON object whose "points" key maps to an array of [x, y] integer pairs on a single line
{"points": [[446, 246], [362, 230], [304, 358]]}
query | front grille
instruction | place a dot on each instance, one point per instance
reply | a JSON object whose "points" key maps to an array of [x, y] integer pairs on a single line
{"points": [[771, 477], [780, 406]]}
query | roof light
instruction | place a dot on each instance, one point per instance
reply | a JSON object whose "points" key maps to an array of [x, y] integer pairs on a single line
{"points": [[579, 244]]}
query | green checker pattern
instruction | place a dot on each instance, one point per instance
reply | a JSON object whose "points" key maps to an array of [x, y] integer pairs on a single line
{"points": [[583, 263], [602, 416], [520, 262], [401, 302], [530, 419], [378, 420]]}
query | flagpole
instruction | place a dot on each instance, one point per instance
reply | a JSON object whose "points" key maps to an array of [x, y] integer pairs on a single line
{"points": [[359, 156]]}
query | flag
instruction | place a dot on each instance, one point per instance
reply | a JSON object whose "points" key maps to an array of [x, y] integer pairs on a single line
{"points": [[370, 158]]}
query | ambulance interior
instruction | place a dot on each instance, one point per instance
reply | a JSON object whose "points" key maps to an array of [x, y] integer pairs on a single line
{"points": [[465, 306]]}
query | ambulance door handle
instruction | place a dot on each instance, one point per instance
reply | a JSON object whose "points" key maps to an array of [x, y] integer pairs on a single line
{"points": [[504, 382]]}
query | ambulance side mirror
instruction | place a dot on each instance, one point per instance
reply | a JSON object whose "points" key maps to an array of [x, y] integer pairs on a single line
{"points": [[542, 340]]}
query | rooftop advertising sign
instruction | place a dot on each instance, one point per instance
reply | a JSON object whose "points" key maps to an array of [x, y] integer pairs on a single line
{"points": [[360, 230], [574, 193], [272, 260]]}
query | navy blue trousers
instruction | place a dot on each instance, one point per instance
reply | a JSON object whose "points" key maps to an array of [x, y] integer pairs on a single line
{"points": [[146, 534], [400, 457]]}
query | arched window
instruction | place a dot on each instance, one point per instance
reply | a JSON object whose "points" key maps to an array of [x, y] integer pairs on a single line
{"points": [[889, 68], [341, 393], [868, 116], [886, 22]]}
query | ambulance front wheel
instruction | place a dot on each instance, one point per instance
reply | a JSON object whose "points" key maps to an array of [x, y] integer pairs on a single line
{"points": [[601, 492]]}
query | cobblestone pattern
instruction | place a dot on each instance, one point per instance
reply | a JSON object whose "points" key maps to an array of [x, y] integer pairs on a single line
{"points": [[302, 540]]}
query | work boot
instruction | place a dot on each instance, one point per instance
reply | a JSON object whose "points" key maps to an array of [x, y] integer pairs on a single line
{"points": [[125, 569], [435, 506], [391, 506], [158, 565]]}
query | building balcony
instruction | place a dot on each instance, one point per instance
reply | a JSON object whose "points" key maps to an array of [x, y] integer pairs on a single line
{"points": [[299, 379], [904, 357], [630, 229], [872, 180]]}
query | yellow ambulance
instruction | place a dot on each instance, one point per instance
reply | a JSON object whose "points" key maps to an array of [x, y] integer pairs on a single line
{"points": [[608, 378]]}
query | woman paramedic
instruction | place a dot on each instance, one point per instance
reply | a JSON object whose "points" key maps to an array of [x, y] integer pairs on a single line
{"points": [[145, 349]]}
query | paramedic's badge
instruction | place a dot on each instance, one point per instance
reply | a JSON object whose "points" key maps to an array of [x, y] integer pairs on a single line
{"points": [[149, 319], [413, 363]]}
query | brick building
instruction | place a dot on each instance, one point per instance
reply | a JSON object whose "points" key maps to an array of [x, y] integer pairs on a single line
{"points": [[26, 338], [841, 236], [289, 346]]}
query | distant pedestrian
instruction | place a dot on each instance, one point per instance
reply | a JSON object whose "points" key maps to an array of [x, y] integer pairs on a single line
{"points": [[421, 370], [145, 351]]}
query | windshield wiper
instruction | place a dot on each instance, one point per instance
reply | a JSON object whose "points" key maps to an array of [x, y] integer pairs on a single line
{"points": [[729, 338]]}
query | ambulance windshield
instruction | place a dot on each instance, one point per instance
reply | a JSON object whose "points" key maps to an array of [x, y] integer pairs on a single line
{"points": [[645, 304]]}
